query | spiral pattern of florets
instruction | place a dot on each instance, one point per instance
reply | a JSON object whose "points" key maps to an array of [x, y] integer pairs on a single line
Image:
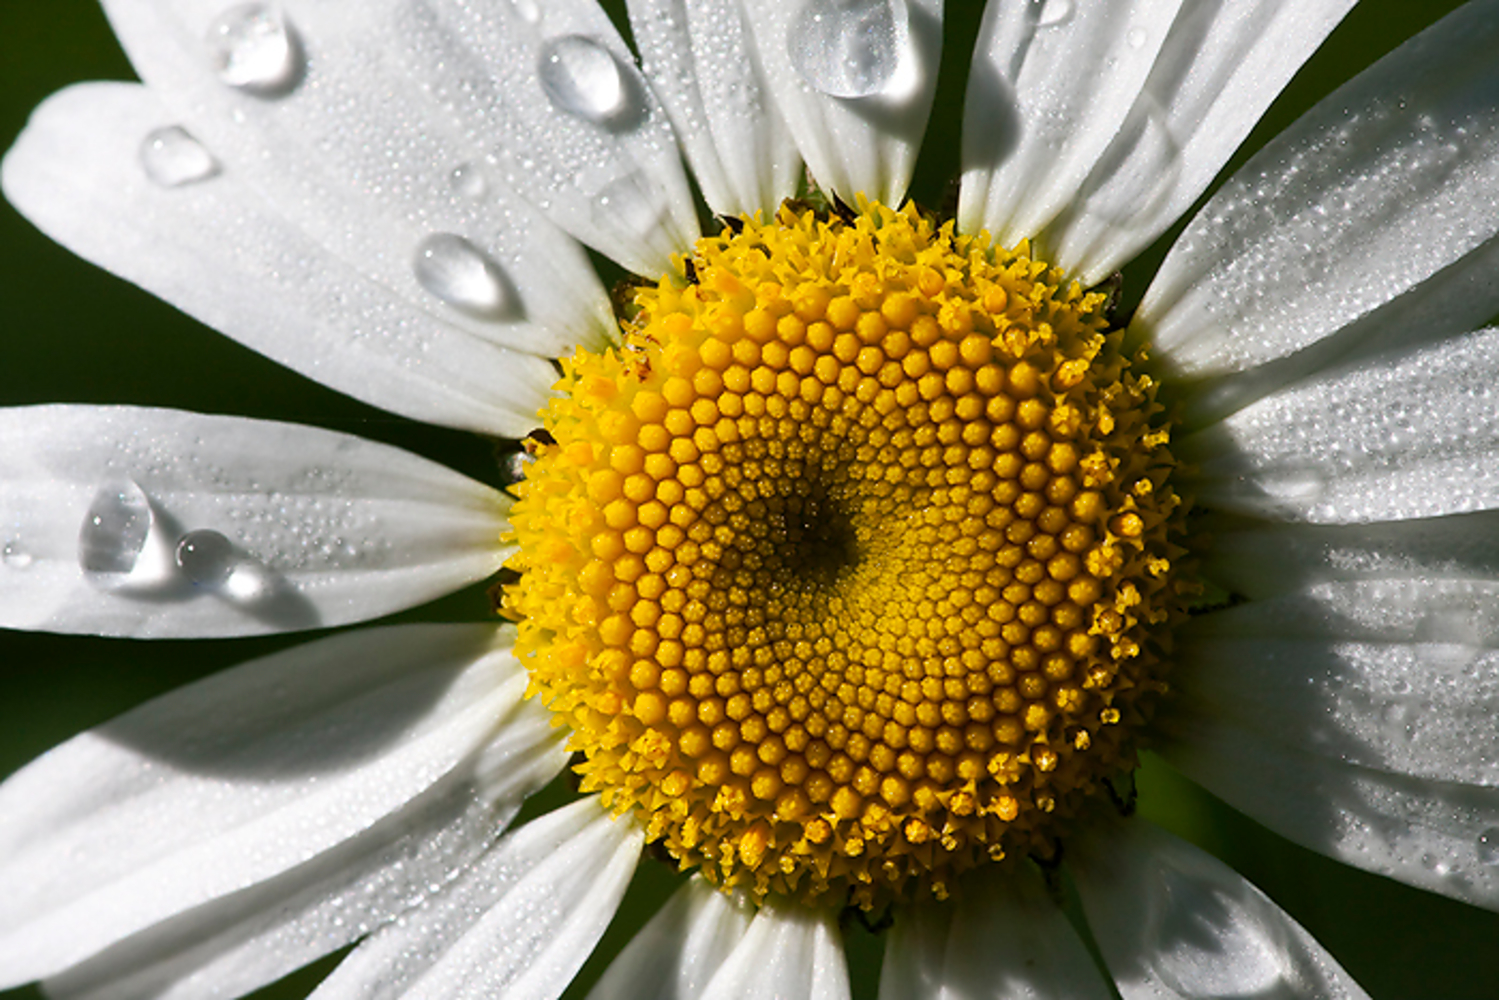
{"points": [[851, 570]]}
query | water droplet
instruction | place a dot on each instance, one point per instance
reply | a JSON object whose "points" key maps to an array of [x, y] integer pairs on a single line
{"points": [[205, 557], [584, 79], [1488, 846], [514, 467], [119, 543], [850, 48], [459, 273], [1135, 38], [468, 181], [528, 10], [1051, 13], [171, 157], [256, 50], [16, 557]]}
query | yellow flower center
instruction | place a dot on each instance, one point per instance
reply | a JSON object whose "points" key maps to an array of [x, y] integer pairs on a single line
{"points": [[851, 570]]}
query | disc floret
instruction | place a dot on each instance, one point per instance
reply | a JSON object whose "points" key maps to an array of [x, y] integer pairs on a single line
{"points": [[851, 570]]}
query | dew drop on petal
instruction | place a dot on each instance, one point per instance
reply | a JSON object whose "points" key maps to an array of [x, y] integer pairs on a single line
{"points": [[584, 79], [468, 181], [171, 157], [1488, 846], [119, 545], [15, 556], [462, 275], [256, 50], [1135, 37], [514, 466], [1052, 13], [529, 10], [849, 48], [205, 557]]}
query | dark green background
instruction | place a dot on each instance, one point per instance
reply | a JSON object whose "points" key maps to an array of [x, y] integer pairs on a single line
{"points": [[72, 333]]}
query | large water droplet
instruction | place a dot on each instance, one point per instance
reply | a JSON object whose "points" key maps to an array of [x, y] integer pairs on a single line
{"points": [[171, 157], [514, 466], [119, 543], [114, 530], [15, 556], [1135, 37], [468, 181], [1051, 13], [255, 49], [463, 276], [583, 78], [205, 557], [528, 10], [1488, 846], [211, 561], [850, 48]]}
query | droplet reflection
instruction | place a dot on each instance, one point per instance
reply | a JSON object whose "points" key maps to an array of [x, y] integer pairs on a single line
{"points": [[850, 48]]}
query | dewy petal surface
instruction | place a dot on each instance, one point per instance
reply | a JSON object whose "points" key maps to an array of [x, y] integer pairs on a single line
{"points": [[216, 249], [676, 954], [855, 81], [1395, 675], [295, 527], [1004, 939], [1410, 434], [258, 935], [1434, 835], [1034, 127], [518, 924], [554, 104], [789, 952], [1217, 71], [699, 58], [220, 787], [1263, 559], [1175, 923], [1385, 185]]}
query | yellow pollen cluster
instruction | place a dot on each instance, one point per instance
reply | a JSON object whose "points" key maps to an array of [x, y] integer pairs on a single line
{"points": [[850, 570]]}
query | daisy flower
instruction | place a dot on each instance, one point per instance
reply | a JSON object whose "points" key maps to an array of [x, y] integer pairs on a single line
{"points": [[845, 554]]}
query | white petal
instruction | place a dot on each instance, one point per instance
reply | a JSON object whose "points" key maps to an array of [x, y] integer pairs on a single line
{"points": [[1173, 922], [1400, 436], [1004, 939], [855, 81], [253, 937], [675, 955], [1399, 675], [1434, 835], [1034, 126], [1382, 186], [214, 248], [427, 87], [1260, 559], [1219, 69], [226, 784], [101, 506], [790, 952], [699, 59], [518, 924]]}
